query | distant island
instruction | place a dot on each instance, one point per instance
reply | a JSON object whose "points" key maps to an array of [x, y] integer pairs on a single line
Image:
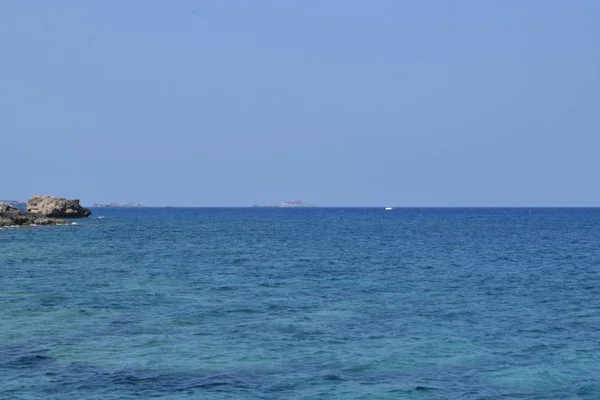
{"points": [[285, 204], [116, 204], [14, 203]]}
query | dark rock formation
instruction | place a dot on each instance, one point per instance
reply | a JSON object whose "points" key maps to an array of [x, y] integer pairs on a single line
{"points": [[56, 207], [10, 216]]}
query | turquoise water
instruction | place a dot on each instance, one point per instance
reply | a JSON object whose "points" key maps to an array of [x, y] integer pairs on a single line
{"points": [[303, 304]]}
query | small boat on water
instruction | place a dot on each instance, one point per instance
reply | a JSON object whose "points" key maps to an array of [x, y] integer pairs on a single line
{"points": [[388, 209]]}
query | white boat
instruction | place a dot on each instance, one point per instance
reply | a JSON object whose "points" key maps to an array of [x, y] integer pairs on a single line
{"points": [[388, 209]]}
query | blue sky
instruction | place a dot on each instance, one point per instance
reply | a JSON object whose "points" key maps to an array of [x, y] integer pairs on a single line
{"points": [[337, 103]]}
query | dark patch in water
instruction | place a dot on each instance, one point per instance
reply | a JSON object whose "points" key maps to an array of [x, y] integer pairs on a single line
{"points": [[333, 377], [27, 361], [422, 389], [224, 288]]}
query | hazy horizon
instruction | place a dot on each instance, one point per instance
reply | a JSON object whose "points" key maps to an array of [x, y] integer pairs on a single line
{"points": [[274, 205], [338, 103]]}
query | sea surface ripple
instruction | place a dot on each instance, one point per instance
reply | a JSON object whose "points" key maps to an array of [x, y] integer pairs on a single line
{"points": [[318, 303]]}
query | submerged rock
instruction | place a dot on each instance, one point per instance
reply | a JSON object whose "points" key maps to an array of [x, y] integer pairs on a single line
{"points": [[57, 207], [11, 216]]}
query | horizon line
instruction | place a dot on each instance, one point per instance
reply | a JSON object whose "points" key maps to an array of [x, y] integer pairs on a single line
{"points": [[312, 207]]}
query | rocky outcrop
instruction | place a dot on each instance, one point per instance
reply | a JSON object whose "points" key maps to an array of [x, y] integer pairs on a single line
{"points": [[56, 207], [10, 216]]}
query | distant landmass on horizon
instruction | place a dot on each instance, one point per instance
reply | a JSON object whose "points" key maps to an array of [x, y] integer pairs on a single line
{"points": [[285, 204], [14, 203], [116, 204]]}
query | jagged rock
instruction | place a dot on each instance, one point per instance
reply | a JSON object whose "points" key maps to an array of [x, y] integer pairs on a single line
{"points": [[57, 207], [11, 216]]}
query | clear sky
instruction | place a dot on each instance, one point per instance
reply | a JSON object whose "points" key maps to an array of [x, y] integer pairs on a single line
{"points": [[336, 102]]}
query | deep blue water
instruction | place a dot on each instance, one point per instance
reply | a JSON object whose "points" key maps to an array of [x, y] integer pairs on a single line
{"points": [[303, 304]]}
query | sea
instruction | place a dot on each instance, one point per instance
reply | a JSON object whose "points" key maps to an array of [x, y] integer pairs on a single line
{"points": [[315, 303]]}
